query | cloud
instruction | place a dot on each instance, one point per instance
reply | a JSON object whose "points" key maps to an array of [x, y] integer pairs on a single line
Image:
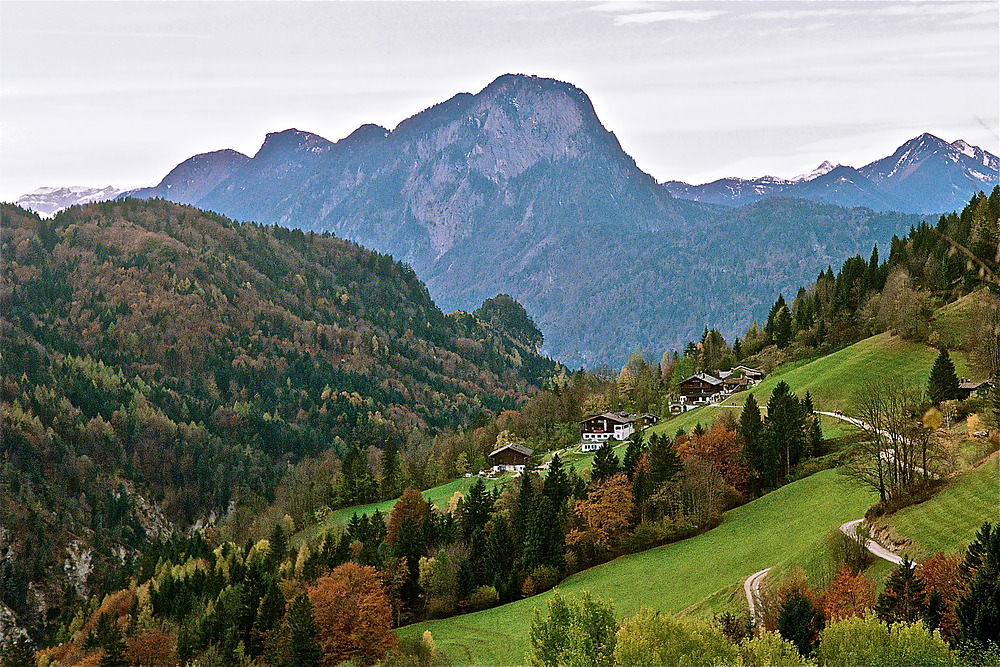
{"points": [[683, 15]]}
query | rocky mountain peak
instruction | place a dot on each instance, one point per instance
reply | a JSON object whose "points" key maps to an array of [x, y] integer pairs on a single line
{"points": [[280, 143]]}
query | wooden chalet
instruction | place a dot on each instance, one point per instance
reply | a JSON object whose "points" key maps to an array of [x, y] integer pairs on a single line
{"points": [[512, 457], [598, 429], [699, 388], [647, 420]]}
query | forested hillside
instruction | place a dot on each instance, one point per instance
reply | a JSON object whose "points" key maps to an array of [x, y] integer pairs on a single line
{"points": [[161, 365]]}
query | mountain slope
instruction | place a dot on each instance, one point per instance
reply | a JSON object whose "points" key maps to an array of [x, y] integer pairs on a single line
{"points": [[672, 577], [195, 177], [520, 189], [161, 364]]}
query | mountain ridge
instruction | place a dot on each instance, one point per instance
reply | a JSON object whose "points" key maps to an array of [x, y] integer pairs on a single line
{"points": [[916, 178]]}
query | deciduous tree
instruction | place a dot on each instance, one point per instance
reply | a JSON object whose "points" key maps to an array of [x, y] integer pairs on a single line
{"points": [[848, 595], [353, 617]]}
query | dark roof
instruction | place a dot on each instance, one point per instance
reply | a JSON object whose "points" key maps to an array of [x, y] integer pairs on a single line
{"points": [[520, 449], [705, 377], [620, 417]]}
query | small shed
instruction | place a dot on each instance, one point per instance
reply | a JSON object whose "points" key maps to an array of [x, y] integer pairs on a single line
{"points": [[967, 388], [512, 457]]}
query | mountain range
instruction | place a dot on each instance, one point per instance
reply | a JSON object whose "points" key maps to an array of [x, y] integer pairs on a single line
{"points": [[924, 175], [520, 189]]}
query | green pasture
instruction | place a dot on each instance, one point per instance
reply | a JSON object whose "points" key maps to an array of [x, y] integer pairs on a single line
{"points": [[833, 380], [950, 519], [698, 574]]}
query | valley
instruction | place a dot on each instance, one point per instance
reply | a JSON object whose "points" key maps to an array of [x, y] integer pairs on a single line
{"points": [[224, 438]]}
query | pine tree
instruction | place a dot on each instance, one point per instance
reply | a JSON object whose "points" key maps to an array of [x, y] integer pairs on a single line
{"points": [[943, 382], [978, 608], [664, 464], [750, 434], [800, 622], [303, 651], [556, 487], [605, 463], [477, 508], [525, 505], [807, 404], [784, 430], [278, 547], [633, 451], [783, 328], [903, 598], [390, 470], [114, 648], [545, 542]]}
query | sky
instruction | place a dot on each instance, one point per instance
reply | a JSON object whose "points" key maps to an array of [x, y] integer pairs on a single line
{"points": [[118, 93]]}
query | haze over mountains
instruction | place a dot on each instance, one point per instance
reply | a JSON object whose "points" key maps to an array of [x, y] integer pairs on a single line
{"points": [[520, 189]]}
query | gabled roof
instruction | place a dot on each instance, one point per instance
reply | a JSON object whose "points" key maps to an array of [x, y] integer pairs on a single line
{"points": [[704, 377], [619, 417], [520, 449], [971, 385]]}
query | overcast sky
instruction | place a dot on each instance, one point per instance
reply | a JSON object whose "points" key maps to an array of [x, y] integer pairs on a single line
{"points": [[119, 93]]}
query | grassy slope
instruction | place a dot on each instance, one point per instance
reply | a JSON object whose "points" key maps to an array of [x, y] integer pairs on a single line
{"points": [[833, 379], [674, 577], [949, 521]]}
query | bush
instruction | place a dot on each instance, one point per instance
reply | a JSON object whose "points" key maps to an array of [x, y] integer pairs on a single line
{"points": [[483, 597], [544, 577], [736, 628], [770, 650], [654, 638], [856, 642], [651, 534]]}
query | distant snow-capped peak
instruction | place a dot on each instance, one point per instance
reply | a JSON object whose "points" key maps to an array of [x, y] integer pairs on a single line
{"points": [[47, 201], [824, 168]]}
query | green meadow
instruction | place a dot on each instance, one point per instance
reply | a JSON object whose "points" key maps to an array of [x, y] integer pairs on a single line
{"points": [[833, 380], [950, 519], [701, 573]]}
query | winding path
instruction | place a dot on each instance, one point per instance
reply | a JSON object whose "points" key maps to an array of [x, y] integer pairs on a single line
{"points": [[751, 586]]}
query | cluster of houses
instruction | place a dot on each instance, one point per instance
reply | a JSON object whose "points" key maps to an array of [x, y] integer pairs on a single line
{"points": [[703, 388], [699, 389]]}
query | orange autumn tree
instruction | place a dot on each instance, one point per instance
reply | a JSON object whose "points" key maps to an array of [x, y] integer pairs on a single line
{"points": [[941, 576], [353, 616], [848, 595], [604, 517], [720, 446]]}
